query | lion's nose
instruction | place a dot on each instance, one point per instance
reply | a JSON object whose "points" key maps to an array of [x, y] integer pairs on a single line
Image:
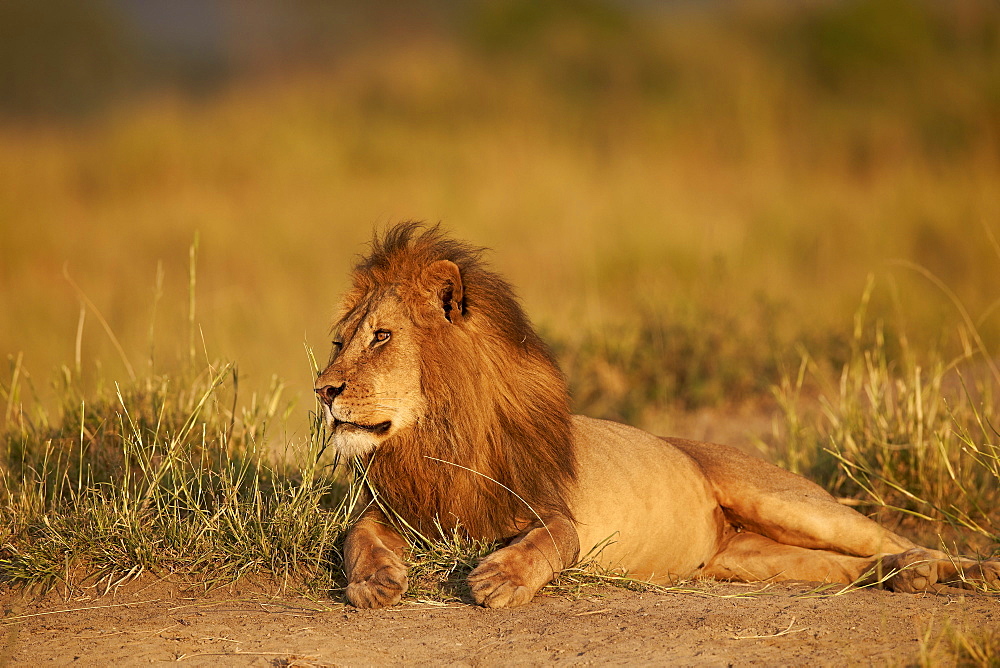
{"points": [[328, 393]]}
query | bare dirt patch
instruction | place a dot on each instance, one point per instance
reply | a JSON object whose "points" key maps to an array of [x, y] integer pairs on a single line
{"points": [[715, 624]]}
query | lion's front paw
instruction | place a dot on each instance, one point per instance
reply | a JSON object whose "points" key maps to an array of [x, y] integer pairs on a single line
{"points": [[380, 589], [496, 584]]}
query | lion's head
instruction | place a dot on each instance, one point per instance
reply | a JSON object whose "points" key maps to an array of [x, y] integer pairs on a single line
{"points": [[439, 382]]}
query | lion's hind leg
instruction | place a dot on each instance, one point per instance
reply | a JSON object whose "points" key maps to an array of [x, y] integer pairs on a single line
{"points": [[788, 528], [750, 557], [787, 508], [921, 569]]}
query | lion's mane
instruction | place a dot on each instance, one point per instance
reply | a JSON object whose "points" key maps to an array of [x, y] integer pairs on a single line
{"points": [[497, 407]]}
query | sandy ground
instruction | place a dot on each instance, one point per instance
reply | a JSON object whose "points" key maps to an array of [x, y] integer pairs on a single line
{"points": [[717, 625]]}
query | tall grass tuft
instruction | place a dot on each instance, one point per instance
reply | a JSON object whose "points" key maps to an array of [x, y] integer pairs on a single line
{"points": [[164, 475], [910, 431]]}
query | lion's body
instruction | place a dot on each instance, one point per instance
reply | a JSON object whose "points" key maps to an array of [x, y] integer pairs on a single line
{"points": [[635, 495], [460, 417]]}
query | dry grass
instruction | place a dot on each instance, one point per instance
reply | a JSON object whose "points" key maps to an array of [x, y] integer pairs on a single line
{"points": [[166, 475], [959, 647], [903, 430]]}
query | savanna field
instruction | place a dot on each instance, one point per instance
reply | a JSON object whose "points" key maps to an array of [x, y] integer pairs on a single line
{"points": [[790, 213]]}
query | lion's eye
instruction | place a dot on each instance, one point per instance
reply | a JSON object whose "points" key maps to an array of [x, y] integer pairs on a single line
{"points": [[337, 344], [381, 336]]}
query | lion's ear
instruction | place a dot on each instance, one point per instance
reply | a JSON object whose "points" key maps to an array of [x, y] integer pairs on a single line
{"points": [[442, 282]]}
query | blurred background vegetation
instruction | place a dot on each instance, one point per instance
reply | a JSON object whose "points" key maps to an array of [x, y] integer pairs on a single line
{"points": [[687, 194]]}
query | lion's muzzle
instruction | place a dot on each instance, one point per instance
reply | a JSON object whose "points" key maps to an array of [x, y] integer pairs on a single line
{"points": [[328, 394]]}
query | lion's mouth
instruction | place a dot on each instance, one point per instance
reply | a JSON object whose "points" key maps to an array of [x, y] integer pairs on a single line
{"points": [[379, 428]]}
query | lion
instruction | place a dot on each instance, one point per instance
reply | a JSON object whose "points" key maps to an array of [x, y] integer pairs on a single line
{"points": [[458, 417]]}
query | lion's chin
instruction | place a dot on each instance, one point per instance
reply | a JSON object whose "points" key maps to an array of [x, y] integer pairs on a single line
{"points": [[354, 442]]}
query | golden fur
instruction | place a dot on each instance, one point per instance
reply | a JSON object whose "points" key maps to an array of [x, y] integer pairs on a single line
{"points": [[441, 389]]}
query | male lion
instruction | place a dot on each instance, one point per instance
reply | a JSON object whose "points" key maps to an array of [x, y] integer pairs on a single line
{"points": [[459, 416]]}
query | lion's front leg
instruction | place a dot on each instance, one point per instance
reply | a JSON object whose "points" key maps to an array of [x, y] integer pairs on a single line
{"points": [[512, 575], [373, 563]]}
